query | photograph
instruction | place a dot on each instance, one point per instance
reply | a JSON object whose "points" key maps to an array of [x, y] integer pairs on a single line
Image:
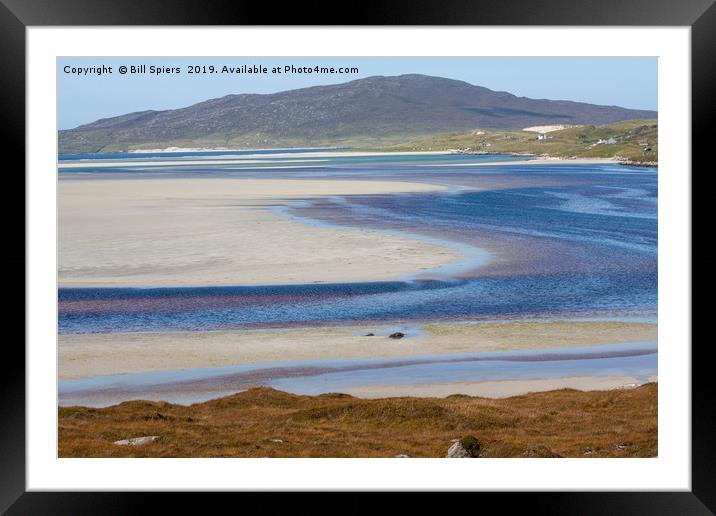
{"points": [[286, 250], [357, 257]]}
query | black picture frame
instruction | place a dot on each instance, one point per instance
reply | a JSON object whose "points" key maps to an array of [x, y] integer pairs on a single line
{"points": [[17, 15]]}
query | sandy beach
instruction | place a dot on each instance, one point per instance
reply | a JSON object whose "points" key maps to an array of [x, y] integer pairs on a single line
{"points": [[88, 355], [497, 389], [535, 161], [220, 231]]}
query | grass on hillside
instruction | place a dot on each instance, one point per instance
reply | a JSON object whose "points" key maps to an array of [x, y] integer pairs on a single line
{"points": [[636, 140], [261, 141], [263, 422]]}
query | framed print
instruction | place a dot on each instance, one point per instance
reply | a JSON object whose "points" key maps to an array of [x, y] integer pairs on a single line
{"points": [[268, 257]]}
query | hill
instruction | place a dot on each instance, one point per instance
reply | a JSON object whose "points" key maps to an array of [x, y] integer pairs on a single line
{"points": [[632, 140], [372, 111], [263, 422]]}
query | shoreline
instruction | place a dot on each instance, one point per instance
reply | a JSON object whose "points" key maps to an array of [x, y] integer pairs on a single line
{"points": [[536, 161], [201, 391], [558, 160], [237, 159], [496, 373], [90, 355], [213, 149], [315, 155], [278, 150], [308, 163]]}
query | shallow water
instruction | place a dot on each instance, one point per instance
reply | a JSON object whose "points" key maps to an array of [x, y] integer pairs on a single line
{"points": [[637, 359], [113, 156], [554, 240]]}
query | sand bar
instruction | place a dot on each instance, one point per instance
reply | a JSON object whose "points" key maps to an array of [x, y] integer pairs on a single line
{"points": [[495, 389], [331, 153], [231, 159], [220, 231], [178, 162], [88, 355]]}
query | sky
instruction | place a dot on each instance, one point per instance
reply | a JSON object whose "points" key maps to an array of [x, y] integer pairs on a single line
{"points": [[85, 97]]}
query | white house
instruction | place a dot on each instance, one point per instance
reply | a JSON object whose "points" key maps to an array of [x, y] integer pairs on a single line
{"points": [[608, 141]]}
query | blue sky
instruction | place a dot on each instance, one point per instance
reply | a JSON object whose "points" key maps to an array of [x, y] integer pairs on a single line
{"points": [[624, 81]]}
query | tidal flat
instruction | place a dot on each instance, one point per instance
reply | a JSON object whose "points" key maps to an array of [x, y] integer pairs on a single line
{"points": [[186, 264]]}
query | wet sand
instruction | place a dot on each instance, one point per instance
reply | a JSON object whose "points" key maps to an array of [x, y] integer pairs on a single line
{"points": [[220, 231], [89, 355]]}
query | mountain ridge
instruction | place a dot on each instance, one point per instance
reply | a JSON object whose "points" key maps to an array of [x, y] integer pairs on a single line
{"points": [[373, 110]]}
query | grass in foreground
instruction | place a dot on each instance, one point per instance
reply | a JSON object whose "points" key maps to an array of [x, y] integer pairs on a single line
{"points": [[263, 422]]}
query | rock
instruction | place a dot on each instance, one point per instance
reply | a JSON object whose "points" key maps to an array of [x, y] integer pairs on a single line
{"points": [[370, 334], [465, 448], [137, 441], [402, 456], [456, 451], [397, 335]]}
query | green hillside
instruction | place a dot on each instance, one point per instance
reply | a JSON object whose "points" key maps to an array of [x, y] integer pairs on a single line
{"points": [[633, 140]]}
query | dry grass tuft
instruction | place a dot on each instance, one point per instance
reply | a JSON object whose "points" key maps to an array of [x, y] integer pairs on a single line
{"points": [[263, 422]]}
